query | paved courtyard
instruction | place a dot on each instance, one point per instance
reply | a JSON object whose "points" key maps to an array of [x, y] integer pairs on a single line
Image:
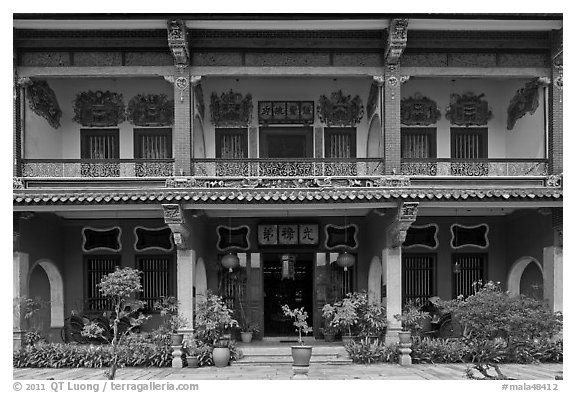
{"points": [[283, 372]]}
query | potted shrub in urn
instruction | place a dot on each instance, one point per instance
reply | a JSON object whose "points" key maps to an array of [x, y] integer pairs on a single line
{"points": [[330, 329], [190, 350], [301, 353], [247, 329], [345, 316], [410, 319], [171, 321]]}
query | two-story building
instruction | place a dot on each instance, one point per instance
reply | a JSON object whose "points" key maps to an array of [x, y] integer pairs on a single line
{"points": [[286, 159]]}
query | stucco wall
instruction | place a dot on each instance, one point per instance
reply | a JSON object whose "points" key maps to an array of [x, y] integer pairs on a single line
{"points": [[526, 140]]}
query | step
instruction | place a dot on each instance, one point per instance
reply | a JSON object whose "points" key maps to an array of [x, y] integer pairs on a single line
{"points": [[287, 351], [267, 352], [265, 360]]}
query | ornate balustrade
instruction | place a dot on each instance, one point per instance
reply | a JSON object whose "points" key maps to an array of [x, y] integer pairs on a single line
{"points": [[486, 167], [97, 168], [300, 167]]}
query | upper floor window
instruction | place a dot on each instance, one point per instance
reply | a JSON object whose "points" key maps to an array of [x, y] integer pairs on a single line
{"points": [[339, 142], [231, 143], [418, 142], [469, 143], [152, 143], [99, 143]]}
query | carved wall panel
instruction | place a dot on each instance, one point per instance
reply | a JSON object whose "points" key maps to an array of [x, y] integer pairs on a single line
{"points": [[468, 109], [357, 60], [216, 59], [86, 59], [418, 110], [178, 42], [43, 102], [45, 59], [98, 109], [148, 59], [523, 60], [425, 60], [472, 60], [150, 110], [524, 101], [231, 109], [397, 39], [287, 59], [340, 110]]}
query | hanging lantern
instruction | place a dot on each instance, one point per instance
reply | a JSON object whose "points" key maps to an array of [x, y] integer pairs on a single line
{"points": [[345, 260], [230, 261], [288, 269]]}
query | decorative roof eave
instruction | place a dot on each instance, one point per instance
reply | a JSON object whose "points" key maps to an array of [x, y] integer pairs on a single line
{"points": [[27, 197]]}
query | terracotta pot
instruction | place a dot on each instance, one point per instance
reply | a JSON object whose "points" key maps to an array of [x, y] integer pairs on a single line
{"points": [[176, 339], [301, 355], [192, 361], [405, 336], [246, 337], [221, 356]]}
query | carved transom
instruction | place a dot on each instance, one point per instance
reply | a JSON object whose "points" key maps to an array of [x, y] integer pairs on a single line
{"points": [[419, 110], [524, 101], [43, 102], [98, 109], [340, 110], [151, 110], [468, 109], [178, 42], [397, 38], [231, 109]]}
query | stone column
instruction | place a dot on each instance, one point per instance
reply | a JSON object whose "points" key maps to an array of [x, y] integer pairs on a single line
{"points": [[553, 265], [182, 131], [174, 216], [396, 229], [20, 268], [555, 112]]}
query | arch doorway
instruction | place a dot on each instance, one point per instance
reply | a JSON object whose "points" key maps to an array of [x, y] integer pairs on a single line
{"points": [[526, 278], [45, 282]]}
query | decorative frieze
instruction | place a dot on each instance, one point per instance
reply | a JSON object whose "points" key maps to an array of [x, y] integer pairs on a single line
{"points": [[411, 168], [525, 101], [18, 183], [148, 59], [154, 168], [231, 109], [469, 169], [397, 38], [151, 110], [178, 42], [97, 169], [222, 59], [340, 110], [98, 109], [425, 60], [46, 59], [97, 59], [285, 112], [554, 181], [468, 109], [357, 59], [286, 59], [472, 60], [418, 110], [173, 214], [43, 102]]}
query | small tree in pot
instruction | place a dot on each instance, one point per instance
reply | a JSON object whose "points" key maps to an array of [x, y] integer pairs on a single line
{"points": [[300, 353]]}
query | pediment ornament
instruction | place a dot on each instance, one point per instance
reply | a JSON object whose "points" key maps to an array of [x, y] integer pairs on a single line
{"points": [[231, 109], [98, 109], [419, 110], [468, 109], [151, 110], [340, 110]]}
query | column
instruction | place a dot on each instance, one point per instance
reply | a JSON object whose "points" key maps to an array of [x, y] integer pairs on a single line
{"points": [[391, 109], [555, 112], [182, 132], [553, 265], [21, 266], [399, 221]]}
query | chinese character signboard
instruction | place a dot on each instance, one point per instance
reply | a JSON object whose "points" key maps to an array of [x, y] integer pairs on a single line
{"points": [[288, 234]]}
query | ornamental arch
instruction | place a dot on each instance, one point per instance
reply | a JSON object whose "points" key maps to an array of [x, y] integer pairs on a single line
{"points": [[56, 289], [524, 269]]}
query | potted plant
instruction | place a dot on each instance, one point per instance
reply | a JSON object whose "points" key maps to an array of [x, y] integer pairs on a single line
{"points": [[330, 329], [171, 320], [247, 329], [177, 322], [191, 352], [372, 321], [345, 316], [301, 353], [410, 319]]}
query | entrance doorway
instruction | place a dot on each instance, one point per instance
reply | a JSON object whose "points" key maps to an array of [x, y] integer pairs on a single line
{"points": [[282, 285]]}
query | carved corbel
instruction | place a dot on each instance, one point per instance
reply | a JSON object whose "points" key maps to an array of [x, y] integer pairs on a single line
{"points": [[379, 79], [180, 82], [397, 39], [405, 217], [178, 43], [175, 218], [24, 82]]}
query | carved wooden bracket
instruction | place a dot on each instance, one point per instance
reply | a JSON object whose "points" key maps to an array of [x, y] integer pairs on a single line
{"points": [[175, 219], [340, 110], [525, 101], [397, 39], [231, 109], [468, 109], [178, 42], [151, 110], [418, 110], [396, 231], [43, 102], [98, 109]]}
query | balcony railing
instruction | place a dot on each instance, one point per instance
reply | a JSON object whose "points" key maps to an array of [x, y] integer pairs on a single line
{"points": [[298, 167], [484, 167], [97, 168]]}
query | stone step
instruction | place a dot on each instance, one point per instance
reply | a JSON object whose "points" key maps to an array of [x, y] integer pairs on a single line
{"points": [[264, 360], [263, 353], [287, 351]]}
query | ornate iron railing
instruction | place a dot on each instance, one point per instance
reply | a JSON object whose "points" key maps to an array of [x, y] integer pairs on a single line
{"points": [[298, 167], [97, 168], [485, 167]]}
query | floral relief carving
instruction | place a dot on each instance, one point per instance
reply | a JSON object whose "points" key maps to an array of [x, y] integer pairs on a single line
{"points": [[43, 102], [525, 101], [340, 110], [419, 110], [150, 110], [98, 109], [468, 109], [231, 109]]}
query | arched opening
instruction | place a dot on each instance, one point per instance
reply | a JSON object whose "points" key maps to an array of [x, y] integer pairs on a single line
{"points": [[374, 149], [45, 282], [199, 144], [526, 278], [375, 281]]}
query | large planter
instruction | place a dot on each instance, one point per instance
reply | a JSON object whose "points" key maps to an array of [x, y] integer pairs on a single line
{"points": [[221, 356], [405, 336], [301, 355], [176, 339], [246, 337], [192, 361]]}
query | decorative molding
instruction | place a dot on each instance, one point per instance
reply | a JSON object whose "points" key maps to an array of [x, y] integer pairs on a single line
{"points": [[407, 211], [98, 109], [341, 237], [174, 217], [140, 233], [111, 236], [379, 80], [461, 233], [419, 110], [43, 102], [18, 183], [173, 214], [233, 238], [199, 98], [340, 110], [404, 79], [24, 81], [178, 42], [397, 39], [231, 110], [555, 181], [525, 101], [396, 231], [285, 112], [468, 109], [373, 99], [416, 242], [150, 110]]}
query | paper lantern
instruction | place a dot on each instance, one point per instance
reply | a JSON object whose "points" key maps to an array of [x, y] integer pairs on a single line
{"points": [[230, 261], [345, 260]]}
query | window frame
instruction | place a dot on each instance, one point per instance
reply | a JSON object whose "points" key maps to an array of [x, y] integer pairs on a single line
{"points": [[87, 299], [267, 132], [455, 255], [434, 273], [151, 131], [220, 131], [86, 133], [171, 271], [351, 131], [432, 138], [481, 131]]}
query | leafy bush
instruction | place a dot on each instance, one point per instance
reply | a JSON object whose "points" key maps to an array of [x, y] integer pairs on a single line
{"points": [[204, 353], [355, 315], [368, 351], [438, 350], [213, 319]]}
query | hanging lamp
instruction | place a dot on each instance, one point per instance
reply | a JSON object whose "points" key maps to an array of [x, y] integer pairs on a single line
{"points": [[456, 268], [230, 261], [345, 259]]}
